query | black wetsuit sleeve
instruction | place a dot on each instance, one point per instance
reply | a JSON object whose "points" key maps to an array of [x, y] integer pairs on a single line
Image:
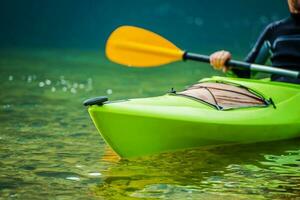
{"points": [[251, 57]]}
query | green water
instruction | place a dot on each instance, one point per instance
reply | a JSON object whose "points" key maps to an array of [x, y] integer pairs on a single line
{"points": [[49, 148]]}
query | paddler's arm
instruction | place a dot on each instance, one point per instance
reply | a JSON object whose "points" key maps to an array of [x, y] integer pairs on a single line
{"points": [[258, 55]]}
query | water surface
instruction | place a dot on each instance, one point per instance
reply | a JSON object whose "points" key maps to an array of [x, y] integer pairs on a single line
{"points": [[50, 149]]}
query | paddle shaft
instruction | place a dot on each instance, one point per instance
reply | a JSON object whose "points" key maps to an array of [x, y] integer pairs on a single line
{"points": [[245, 65]]}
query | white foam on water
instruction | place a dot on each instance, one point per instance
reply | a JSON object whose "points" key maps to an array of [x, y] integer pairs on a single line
{"points": [[73, 178], [95, 174]]}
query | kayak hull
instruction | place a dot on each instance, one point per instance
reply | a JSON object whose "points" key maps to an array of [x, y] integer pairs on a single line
{"points": [[138, 127]]}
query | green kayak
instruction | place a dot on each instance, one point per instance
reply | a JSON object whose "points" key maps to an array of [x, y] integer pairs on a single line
{"points": [[215, 111]]}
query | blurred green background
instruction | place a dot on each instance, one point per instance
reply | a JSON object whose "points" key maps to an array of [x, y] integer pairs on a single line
{"points": [[192, 24]]}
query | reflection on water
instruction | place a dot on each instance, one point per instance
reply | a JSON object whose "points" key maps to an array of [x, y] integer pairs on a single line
{"points": [[50, 148], [270, 170]]}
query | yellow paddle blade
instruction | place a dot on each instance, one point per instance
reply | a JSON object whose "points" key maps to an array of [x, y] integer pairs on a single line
{"points": [[137, 47]]}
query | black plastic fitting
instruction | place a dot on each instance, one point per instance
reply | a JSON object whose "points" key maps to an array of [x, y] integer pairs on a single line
{"points": [[95, 101]]}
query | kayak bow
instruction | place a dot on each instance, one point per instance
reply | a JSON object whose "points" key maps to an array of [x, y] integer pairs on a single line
{"points": [[137, 127]]}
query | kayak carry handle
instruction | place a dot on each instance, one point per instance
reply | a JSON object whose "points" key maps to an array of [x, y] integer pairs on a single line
{"points": [[95, 101]]}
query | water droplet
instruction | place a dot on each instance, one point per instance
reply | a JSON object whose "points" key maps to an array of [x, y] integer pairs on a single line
{"points": [[41, 84], [75, 85], [64, 89], [89, 84], [29, 79], [63, 82], [81, 86], [73, 91], [7, 106], [109, 91], [48, 82], [10, 78], [73, 178]]}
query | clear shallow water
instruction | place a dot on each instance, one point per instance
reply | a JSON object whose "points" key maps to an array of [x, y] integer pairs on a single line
{"points": [[50, 149]]}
